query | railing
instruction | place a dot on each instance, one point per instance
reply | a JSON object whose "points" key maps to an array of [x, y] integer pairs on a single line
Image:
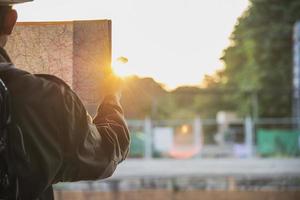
{"points": [[198, 137]]}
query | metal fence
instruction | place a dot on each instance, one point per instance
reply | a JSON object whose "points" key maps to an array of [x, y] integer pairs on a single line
{"points": [[197, 137]]}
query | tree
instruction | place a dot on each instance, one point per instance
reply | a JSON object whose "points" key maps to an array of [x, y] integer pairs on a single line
{"points": [[260, 57], [138, 96]]}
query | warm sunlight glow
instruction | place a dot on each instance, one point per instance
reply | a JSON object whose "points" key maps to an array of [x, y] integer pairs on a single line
{"points": [[120, 67], [174, 42]]}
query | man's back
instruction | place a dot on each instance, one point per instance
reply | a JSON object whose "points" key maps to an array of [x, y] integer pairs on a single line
{"points": [[53, 139]]}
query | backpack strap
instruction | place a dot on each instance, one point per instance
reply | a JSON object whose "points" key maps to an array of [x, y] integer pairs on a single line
{"points": [[8, 181], [4, 121], [4, 101]]}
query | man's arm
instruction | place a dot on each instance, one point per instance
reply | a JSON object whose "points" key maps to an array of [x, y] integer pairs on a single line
{"points": [[96, 147], [110, 113]]}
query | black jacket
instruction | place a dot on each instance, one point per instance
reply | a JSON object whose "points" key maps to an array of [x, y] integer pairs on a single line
{"points": [[54, 139]]}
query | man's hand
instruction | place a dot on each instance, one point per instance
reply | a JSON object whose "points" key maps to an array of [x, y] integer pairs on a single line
{"points": [[112, 85]]}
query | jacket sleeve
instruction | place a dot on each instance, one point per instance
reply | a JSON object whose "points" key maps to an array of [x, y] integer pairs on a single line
{"points": [[93, 148]]}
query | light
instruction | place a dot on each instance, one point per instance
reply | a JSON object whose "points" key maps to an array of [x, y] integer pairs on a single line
{"points": [[184, 129], [119, 67]]}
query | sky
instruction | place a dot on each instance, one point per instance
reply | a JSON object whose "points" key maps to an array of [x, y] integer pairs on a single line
{"points": [[176, 42]]}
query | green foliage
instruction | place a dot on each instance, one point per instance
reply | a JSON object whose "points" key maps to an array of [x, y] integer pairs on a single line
{"points": [[144, 97], [139, 96], [260, 57]]}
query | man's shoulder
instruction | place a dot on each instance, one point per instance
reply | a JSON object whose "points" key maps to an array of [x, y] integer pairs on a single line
{"points": [[26, 85], [53, 79], [16, 75]]}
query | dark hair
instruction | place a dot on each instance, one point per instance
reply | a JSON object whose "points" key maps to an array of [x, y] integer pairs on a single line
{"points": [[3, 11]]}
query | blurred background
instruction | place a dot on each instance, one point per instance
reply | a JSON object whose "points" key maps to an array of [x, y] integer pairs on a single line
{"points": [[211, 95]]}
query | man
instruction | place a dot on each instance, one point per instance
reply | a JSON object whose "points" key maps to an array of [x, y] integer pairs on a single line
{"points": [[51, 138]]}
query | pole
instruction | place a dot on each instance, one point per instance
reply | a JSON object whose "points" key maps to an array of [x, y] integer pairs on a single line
{"points": [[249, 136], [148, 138], [197, 133], [296, 76], [255, 108]]}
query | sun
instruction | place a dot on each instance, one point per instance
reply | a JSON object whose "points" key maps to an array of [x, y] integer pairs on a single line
{"points": [[120, 67]]}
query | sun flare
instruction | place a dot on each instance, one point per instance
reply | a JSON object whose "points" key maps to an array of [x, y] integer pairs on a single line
{"points": [[121, 68]]}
